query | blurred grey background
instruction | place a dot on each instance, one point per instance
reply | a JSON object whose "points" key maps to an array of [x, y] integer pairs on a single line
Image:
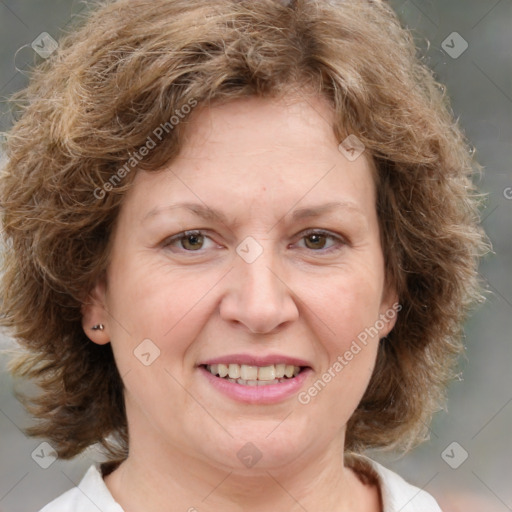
{"points": [[466, 463]]}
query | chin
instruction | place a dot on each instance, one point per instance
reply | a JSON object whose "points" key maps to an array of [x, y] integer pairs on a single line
{"points": [[259, 445]]}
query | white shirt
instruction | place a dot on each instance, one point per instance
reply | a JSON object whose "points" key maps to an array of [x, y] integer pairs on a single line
{"points": [[92, 495]]}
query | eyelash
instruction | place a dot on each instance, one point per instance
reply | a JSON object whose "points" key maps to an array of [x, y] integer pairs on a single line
{"points": [[197, 232]]}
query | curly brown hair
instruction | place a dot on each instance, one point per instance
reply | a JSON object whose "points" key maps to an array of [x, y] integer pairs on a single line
{"points": [[93, 104]]}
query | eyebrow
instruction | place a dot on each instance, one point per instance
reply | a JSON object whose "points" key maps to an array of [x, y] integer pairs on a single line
{"points": [[215, 215]]}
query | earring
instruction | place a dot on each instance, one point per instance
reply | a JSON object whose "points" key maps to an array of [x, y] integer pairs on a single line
{"points": [[98, 327]]}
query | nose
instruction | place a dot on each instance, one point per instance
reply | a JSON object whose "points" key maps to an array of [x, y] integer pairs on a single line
{"points": [[259, 297]]}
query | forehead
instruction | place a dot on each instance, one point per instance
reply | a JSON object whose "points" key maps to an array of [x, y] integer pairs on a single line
{"points": [[254, 125], [277, 153]]}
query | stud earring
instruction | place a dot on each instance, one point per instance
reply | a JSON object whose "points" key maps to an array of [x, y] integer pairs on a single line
{"points": [[98, 327]]}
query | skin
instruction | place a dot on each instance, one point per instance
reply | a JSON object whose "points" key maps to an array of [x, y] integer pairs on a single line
{"points": [[256, 160]]}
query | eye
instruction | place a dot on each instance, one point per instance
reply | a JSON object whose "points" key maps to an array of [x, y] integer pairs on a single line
{"points": [[315, 239], [190, 241]]}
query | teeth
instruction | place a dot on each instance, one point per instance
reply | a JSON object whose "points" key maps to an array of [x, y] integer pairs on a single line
{"points": [[267, 373], [234, 371], [255, 382], [248, 372], [280, 369], [254, 375], [223, 370]]}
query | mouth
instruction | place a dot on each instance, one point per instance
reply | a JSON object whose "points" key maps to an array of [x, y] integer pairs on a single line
{"points": [[253, 380], [252, 375], [256, 378]]}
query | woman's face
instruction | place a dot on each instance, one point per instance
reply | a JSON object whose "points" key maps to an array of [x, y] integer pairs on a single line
{"points": [[252, 294]]}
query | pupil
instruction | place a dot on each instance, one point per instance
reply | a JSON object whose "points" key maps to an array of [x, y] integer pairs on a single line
{"points": [[316, 239], [194, 239]]}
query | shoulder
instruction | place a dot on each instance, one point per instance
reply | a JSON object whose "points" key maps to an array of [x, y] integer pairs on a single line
{"points": [[397, 494], [90, 494]]}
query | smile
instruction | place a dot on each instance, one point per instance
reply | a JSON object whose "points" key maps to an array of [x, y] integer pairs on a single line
{"points": [[252, 384], [249, 375]]}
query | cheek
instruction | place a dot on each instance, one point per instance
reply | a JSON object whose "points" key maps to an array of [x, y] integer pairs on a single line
{"points": [[348, 305], [350, 310], [168, 307]]}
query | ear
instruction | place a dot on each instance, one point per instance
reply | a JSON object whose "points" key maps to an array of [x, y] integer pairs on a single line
{"points": [[94, 313], [389, 309]]}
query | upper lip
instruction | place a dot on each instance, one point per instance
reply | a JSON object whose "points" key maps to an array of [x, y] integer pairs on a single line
{"points": [[256, 360]]}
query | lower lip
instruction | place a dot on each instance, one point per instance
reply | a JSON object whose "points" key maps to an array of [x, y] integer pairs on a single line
{"points": [[266, 394]]}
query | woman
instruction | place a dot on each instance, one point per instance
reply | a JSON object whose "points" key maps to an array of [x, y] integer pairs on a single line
{"points": [[242, 239]]}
